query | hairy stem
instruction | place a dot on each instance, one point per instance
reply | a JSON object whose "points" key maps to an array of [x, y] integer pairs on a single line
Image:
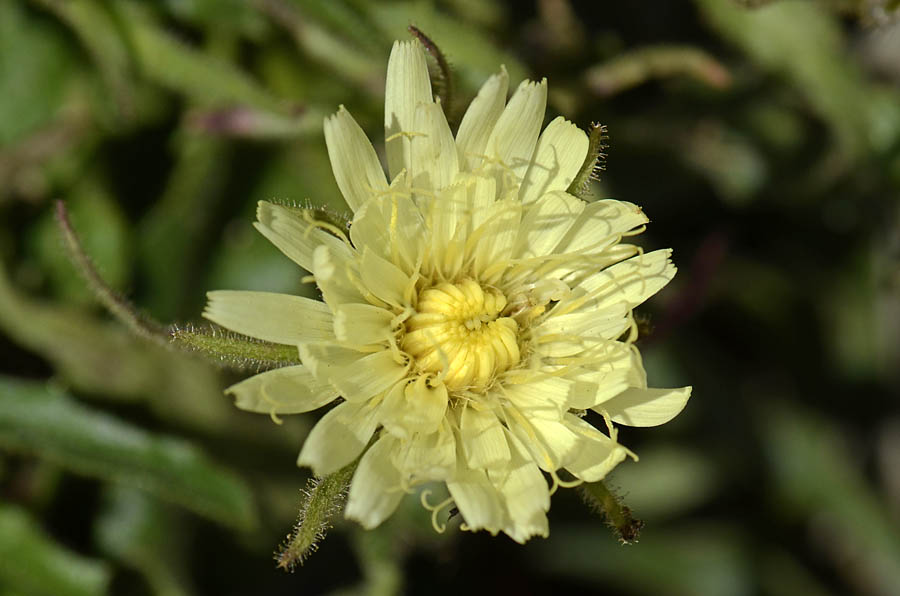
{"points": [[114, 302], [322, 499], [594, 161], [618, 517], [445, 74], [218, 345], [231, 349]]}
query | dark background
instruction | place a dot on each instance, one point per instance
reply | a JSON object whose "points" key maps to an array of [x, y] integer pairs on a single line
{"points": [[762, 139]]}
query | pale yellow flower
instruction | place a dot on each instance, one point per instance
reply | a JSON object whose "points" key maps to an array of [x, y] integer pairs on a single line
{"points": [[474, 314]]}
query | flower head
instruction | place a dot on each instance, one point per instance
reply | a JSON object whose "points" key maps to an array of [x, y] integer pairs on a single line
{"points": [[473, 315]]}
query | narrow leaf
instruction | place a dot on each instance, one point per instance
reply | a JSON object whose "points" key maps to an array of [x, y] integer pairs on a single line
{"points": [[175, 65], [32, 563], [815, 477], [338, 55], [98, 33], [177, 230], [38, 419], [805, 44], [146, 535], [636, 67]]}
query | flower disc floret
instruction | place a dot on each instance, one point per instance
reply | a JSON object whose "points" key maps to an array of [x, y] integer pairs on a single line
{"points": [[459, 333]]}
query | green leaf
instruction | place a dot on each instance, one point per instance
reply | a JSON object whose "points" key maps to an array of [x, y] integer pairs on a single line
{"points": [[636, 67], [98, 32], [103, 359], [147, 536], [177, 228], [33, 564], [237, 16], [35, 71], [336, 53], [38, 419], [816, 477], [200, 76], [803, 43]]}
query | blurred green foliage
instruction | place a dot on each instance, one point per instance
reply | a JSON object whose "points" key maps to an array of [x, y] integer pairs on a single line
{"points": [[35, 419], [34, 564], [762, 138]]}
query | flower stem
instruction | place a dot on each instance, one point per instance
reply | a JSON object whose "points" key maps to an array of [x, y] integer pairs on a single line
{"points": [[594, 161], [322, 499], [445, 80], [618, 517], [114, 302], [231, 349], [220, 346]]}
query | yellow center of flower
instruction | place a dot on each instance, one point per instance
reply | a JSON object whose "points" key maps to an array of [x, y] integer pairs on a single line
{"points": [[458, 333]]}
